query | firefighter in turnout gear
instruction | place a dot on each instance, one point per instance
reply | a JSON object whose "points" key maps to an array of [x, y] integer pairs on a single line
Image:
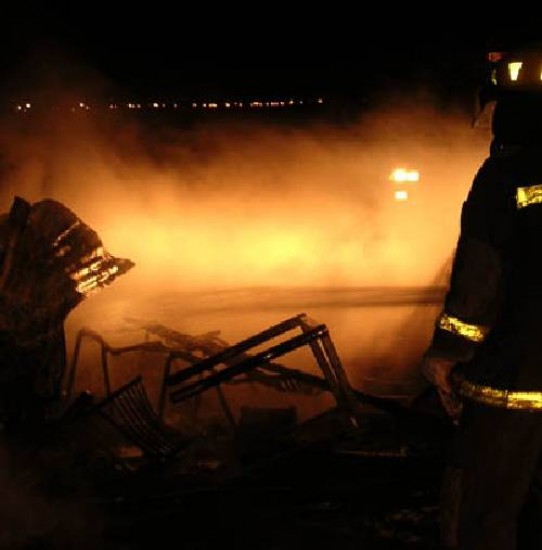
{"points": [[485, 355]]}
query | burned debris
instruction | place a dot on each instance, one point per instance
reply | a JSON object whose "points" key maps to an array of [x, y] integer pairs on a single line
{"points": [[128, 449], [190, 367], [50, 261]]}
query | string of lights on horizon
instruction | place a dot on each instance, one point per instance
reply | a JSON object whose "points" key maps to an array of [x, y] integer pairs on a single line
{"points": [[29, 106]]}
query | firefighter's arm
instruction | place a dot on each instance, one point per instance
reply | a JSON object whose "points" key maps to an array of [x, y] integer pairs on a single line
{"points": [[465, 321], [473, 300]]}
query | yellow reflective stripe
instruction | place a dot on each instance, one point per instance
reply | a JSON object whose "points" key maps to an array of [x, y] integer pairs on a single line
{"points": [[475, 333], [525, 400], [526, 196]]}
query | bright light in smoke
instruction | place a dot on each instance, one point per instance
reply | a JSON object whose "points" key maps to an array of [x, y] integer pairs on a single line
{"points": [[401, 175], [401, 195]]}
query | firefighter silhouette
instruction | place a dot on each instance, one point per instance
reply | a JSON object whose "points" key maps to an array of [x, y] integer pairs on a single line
{"points": [[485, 356]]}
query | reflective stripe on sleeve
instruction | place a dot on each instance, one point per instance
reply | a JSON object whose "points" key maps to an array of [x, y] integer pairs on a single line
{"points": [[475, 333], [494, 397], [525, 196]]}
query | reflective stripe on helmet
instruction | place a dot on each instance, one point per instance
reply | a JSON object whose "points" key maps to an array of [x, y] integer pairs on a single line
{"points": [[475, 333], [519, 69], [525, 196], [494, 397]]}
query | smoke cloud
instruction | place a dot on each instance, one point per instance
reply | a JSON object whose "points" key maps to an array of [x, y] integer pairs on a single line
{"points": [[236, 223], [217, 208]]}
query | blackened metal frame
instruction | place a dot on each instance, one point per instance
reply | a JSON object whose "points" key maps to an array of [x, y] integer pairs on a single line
{"points": [[234, 361]]}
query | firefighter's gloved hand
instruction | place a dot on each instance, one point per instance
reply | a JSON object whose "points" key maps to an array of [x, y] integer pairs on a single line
{"points": [[438, 371]]}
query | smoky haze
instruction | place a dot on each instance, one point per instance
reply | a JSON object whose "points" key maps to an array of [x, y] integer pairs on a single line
{"points": [[234, 224], [230, 204], [221, 205]]}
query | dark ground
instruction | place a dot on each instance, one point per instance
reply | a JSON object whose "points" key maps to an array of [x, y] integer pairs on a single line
{"points": [[332, 486], [373, 490]]}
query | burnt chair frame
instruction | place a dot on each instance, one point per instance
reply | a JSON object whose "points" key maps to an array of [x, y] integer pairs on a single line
{"points": [[235, 360]]}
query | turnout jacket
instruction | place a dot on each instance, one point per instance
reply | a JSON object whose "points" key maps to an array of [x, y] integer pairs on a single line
{"points": [[491, 322]]}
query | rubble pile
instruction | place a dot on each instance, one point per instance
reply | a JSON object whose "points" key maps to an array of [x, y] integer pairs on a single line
{"points": [[139, 464]]}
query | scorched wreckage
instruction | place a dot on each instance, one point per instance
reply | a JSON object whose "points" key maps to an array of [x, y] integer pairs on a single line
{"points": [[132, 451], [50, 261]]}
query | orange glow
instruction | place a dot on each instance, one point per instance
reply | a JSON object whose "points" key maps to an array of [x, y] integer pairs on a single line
{"points": [[261, 207], [212, 208], [401, 195]]}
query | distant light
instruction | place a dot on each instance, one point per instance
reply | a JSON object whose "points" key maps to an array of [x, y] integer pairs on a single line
{"points": [[231, 103], [401, 175], [401, 195]]}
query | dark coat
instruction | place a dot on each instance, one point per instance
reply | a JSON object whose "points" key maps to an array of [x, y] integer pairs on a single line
{"points": [[492, 317]]}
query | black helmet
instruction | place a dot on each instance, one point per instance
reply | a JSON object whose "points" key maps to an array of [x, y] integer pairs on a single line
{"points": [[514, 85], [511, 66], [517, 70]]}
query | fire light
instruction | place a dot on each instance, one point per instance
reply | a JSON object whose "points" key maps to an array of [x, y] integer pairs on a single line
{"points": [[401, 175]]}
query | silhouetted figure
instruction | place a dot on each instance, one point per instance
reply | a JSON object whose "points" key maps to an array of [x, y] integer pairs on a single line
{"points": [[485, 358]]}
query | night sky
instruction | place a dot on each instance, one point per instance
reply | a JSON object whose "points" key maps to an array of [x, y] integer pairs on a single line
{"points": [[260, 48]]}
